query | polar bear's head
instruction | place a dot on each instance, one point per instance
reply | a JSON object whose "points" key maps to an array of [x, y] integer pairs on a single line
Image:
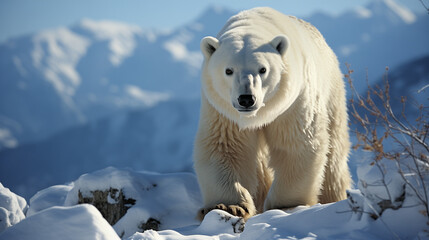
{"points": [[243, 76]]}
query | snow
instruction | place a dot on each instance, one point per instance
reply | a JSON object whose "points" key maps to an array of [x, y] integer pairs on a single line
{"points": [[12, 208], [82, 222], [174, 199], [406, 15], [393, 183], [121, 37], [18, 64], [147, 98], [157, 196], [7, 139], [388, 8], [216, 225], [56, 52], [180, 53], [362, 12], [46, 198]]}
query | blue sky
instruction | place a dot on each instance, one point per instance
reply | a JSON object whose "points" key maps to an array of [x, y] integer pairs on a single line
{"points": [[18, 17]]}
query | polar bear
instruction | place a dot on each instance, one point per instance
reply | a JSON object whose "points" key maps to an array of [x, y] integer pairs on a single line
{"points": [[273, 130]]}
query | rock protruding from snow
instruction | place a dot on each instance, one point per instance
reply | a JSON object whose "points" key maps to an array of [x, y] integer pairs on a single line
{"points": [[83, 222], [12, 208], [146, 200], [111, 203]]}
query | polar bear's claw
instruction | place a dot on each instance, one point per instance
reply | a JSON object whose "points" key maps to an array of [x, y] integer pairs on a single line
{"points": [[236, 210]]}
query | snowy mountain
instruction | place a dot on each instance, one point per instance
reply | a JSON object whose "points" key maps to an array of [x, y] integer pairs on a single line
{"points": [[371, 38], [62, 77], [154, 139]]}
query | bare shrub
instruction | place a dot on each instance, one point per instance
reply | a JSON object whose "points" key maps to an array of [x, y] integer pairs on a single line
{"points": [[389, 134]]}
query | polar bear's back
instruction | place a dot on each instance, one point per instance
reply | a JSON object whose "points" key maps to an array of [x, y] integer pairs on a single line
{"points": [[266, 23]]}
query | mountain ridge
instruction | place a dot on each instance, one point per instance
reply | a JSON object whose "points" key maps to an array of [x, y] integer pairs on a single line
{"points": [[95, 68]]}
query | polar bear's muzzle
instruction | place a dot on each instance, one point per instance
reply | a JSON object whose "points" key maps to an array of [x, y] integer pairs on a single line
{"points": [[246, 102], [246, 92]]}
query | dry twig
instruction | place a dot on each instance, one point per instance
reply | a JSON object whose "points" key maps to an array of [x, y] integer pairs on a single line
{"points": [[377, 121]]}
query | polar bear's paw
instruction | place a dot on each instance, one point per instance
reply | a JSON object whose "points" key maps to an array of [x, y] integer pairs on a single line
{"points": [[236, 210]]}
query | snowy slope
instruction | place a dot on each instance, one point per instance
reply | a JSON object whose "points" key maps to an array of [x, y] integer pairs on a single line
{"points": [[172, 200], [68, 223], [12, 208]]}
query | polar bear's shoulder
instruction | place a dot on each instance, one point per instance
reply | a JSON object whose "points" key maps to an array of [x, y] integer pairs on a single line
{"points": [[309, 27], [262, 14], [268, 19]]}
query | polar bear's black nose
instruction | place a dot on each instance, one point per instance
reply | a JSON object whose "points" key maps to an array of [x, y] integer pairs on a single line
{"points": [[246, 100]]}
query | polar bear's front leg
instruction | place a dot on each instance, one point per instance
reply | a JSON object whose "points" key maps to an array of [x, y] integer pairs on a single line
{"points": [[221, 190], [225, 161], [297, 180]]}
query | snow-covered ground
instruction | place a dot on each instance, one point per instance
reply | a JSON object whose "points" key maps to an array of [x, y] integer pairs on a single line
{"points": [[12, 208], [170, 202]]}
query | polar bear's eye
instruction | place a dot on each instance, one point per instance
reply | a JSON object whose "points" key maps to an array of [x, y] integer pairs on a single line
{"points": [[229, 71], [262, 70]]}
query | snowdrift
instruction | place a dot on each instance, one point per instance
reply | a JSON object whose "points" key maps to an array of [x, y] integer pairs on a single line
{"points": [[164, 206]]}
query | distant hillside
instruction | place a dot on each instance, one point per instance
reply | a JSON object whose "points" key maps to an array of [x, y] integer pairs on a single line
{"points": [[155, 139]]}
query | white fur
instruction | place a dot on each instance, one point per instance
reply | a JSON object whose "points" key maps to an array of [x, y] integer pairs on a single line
{"points": [[292, 148]]}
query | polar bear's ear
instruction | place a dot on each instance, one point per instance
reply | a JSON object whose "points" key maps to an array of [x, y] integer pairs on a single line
{"points": [[280, 43], [208, 46]]}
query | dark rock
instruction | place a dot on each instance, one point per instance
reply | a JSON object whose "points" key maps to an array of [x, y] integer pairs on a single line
{"points": [[111, 203], [151, 223]]}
